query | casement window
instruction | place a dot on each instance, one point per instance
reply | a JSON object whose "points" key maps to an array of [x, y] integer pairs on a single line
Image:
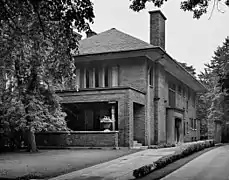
{"points": [[106, 76], [82, 78], [187, 127], [184, 129], [179, 90], [114, 76], [98, 77], [195, 124], [87, 74], [189, 93], [192, 123], [187, 105], [184, 92], [193, 100], [151, 76], [172, 95]]}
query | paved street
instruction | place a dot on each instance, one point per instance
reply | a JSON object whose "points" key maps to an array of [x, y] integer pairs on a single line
{"points": [[209, 166]]}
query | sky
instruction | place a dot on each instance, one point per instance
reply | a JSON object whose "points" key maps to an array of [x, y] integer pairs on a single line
{"points": [[187, 39]]}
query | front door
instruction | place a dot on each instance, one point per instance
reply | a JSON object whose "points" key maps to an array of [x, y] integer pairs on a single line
{"points": [[177, 129]]}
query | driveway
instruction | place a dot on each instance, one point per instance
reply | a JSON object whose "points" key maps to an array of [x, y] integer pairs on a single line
{"points": [[50, 163]]}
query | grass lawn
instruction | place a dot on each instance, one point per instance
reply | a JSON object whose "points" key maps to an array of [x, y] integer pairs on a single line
{"points": [[51, 163]]}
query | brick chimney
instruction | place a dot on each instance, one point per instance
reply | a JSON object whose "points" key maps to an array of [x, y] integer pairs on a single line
{"points": [[157, 28]]}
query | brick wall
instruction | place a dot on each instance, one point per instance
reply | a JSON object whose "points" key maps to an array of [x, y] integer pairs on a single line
{"points": [[80, 139], [133, 73], [162, 79]]}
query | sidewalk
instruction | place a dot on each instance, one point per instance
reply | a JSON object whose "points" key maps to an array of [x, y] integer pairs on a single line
{"points": [[118, 169]]}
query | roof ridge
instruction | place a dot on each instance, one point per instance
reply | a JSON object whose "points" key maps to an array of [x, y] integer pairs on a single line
{"points": [[131, 36], [111, 40]]}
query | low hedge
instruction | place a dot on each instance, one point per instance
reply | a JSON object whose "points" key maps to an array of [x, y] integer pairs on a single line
{"points": [[164, 145], [183, 151]]}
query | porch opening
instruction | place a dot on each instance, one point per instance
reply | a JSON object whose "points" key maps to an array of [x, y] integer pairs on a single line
{"points": [[86, 116], [138, 122]]}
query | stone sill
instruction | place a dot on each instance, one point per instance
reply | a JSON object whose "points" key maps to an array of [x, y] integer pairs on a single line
{"points": [[101, 89], [79, 132]]}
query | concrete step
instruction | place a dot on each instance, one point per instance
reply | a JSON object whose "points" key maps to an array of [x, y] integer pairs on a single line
{"points": [[139, 147], [136, 144]]}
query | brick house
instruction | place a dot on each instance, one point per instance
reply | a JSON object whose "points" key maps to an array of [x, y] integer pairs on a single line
{"points": [[140, 86]]}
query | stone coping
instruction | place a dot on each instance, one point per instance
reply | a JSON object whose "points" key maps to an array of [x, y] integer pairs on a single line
{"points": [[78, 132], [99, 89]]}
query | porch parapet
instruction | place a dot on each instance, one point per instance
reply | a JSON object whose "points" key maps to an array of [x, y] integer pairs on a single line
{"points": [[78, 139]]}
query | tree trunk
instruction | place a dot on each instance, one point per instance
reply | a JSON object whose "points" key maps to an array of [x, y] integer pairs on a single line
{"points": [[32, 147]]}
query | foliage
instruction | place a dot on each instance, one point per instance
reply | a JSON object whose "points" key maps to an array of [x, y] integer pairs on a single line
{"points": [[36, 45], [197, 7], [163, 145], [190, 68], [213, 104]]}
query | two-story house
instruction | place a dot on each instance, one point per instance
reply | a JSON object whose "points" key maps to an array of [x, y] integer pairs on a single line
{"points": [[148, 94]]}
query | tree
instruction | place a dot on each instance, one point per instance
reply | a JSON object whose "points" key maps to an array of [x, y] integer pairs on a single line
{"points": [[190, 68], [197, 7], [202, 101], [215, 78], [36, 45]]}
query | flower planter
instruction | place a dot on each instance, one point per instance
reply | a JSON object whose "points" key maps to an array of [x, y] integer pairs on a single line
{"points": [[106, 125]]}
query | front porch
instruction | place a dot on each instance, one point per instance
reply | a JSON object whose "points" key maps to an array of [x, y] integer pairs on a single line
{"points": [[124, 105], [87, 116]]}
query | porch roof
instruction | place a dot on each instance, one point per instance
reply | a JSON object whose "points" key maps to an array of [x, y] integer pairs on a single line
{"points": [[102, 95]]}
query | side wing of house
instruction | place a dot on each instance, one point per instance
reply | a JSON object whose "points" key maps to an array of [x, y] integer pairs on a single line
{"points": [[172, 106]]}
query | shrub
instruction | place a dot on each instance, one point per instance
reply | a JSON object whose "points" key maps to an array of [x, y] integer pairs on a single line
{"points": [[182, 151], [163, 145]]}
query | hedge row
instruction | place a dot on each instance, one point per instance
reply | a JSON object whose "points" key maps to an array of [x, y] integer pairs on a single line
{"points": [[183, 151], [164, 145]]}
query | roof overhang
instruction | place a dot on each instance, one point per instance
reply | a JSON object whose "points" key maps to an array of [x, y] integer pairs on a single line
{"points": [[178, 71], [156, 54], [146, 52]]}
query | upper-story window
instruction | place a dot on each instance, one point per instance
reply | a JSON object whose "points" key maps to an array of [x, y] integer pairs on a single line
{"points": [[151, 76], [172, 95], [106, 74], [184, 92], [87, 74], [189, 94], [98, 77], [193, 100], [179, 90]]}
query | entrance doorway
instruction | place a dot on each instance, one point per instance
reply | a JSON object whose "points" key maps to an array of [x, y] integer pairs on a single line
{"points": [[177, 129], [138, 123]]}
